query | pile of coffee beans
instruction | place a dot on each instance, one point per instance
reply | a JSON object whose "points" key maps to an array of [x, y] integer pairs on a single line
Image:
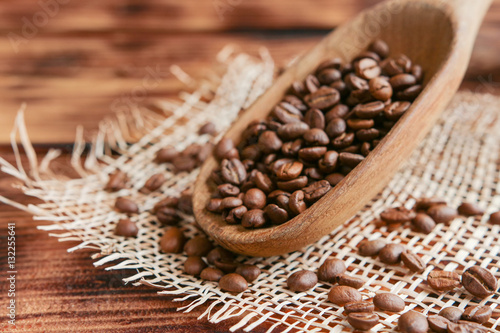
{"points": [[477, 280], [454, 320], [321, 130]]}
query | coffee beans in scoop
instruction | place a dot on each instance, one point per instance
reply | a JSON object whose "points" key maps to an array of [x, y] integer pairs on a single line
{"points": [[322, 129]]}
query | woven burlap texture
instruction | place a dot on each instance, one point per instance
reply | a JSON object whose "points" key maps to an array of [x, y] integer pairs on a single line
{"points": [[458, 161]]}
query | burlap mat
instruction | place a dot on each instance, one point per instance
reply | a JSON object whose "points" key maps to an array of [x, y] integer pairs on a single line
{"points": [[459, 160]]}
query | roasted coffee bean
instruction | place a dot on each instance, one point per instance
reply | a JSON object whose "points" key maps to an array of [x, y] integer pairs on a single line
{"points": [[350, 160], [234, 283], [367, 68], [470, 209], [397, 215], [296, 203], [395, 110], [330, 269], [479, 281], [298, 88], [362, 320], [230, 203], [283, 115], [289, 108], [194, 265], [276, 214], [334, 178], [342, 141], [426, 203], [276, 165], [293, 185], [423, 223], [410, 93], [224, 149], [236, 214], [329, 162], [172, 241], [402, 81], [413, 322], [211, 274], [215, 205], [357, 124], [335, 63], [315, 191], [316, 136], [126, 205], [351, 281], [442, 213], [494, 218], [413, 262], [167, 202], [438, 324], [323, 98], [126, 228], [205, 152], [292, 131], [314, 118], [292, 148], [166, 155], [185, 203], [153, 183], [338, 111], [219, 253], [254, 218], [117, 181], [226, 265], [451, 313], [443, 280], [168, 216], [389, 302], [362, 306], [198, 246], [355, 83], [463, 326], [369, 110], [251, 152], [302, 280], [365, 149], [479, 314], [249, 272], [367, 134], [379, 47], [391, 253], [269, 142], [312, 83], [354, 149], [208, 128], [390, 67], [342, 295], [371, 248], [313, 173], [335, 128], [233, 171], [290, 170], [228, 190], [183, 163], [329, 75], [254, 199]]}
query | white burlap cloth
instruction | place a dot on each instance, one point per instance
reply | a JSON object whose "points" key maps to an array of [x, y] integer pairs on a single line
{"points": [[459, 160]]}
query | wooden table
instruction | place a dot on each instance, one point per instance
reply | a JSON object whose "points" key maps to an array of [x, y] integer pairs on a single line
{"points": [[81, 56]]}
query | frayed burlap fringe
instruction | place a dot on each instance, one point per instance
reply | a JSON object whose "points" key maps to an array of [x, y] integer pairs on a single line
{"points": [[459, 160]]}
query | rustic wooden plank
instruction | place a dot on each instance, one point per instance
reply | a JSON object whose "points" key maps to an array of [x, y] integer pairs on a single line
{"points": [[63, 292]]}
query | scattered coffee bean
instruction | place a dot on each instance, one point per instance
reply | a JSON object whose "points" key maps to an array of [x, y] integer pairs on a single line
{"points": [[211, 274], [494, 218], [412, 261], [413, 322], [423, 204], [167, 216], [170, 202], [371, 248], [351, 281], [391, 253], [438, 324], [233, 282], [389, 302], [463, 326], [226, 265], [451, 313], [470, 209], [194, 265], [198, 246], [117, 181], [166, 155], [249, 272], [127, 206], [362, 306], [342, 295], [219, 253], [330, 270], [208, 128], [479, 314], [479, 281], [423, 223], [185, 203], [442, 213], [397, 215], [362, 320], [126, 228], [153, 183], [443, 280], [302, 281], [172, 241]]}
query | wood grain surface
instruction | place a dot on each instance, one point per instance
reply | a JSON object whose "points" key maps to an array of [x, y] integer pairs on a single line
{"points": [[91, 53]]}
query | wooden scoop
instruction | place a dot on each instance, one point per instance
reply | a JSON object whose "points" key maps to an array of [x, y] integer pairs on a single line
{"points": [[437, 34]]}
